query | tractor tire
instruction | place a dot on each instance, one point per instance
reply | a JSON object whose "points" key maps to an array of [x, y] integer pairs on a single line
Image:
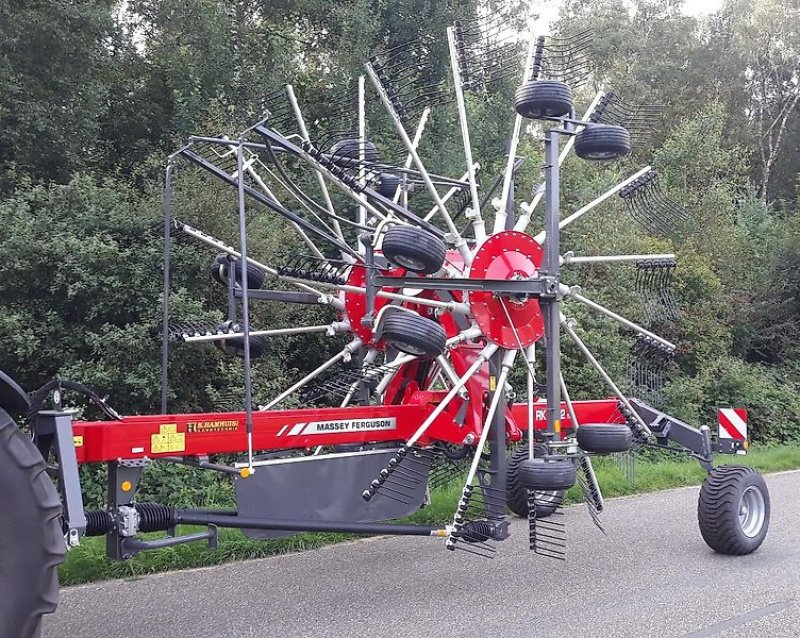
{"points": [[415, 335], [235, 345], [388, 185], [733, 510], [31, 539], [221, 267], [548, 475], [604, 438], [602, 142], [346, 153], [414, 249], [543, 98], [517, 495]]}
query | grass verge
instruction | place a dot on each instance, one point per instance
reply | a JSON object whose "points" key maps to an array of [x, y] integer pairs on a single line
{"points": [[88, 562]]}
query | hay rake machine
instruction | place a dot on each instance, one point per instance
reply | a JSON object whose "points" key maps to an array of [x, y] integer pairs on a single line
{"points": [[436, 312]]}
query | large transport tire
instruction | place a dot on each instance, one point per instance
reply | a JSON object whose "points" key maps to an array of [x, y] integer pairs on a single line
{"points": [[543, 98], [517, 495], [31, 539], [546, 474], [602, 142], [604, 438], [223, 264], [414, 249], [413, 334], [733, 510]]}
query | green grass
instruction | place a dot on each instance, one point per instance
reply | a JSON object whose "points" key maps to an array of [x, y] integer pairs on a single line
{"points": [[88, 563]]}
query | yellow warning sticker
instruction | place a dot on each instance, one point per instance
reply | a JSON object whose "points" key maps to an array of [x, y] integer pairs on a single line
{"points": [[77, 441], [167, 440], [492, 383], [557, 425]]}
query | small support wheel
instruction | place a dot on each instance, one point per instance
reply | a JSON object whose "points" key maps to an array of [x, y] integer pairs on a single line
{"points": [[602, 142], [388, 183], [604, 438], [733, 510], [235, 345], [543, 98], [346, 153], [223, 265], [517, 494], [551, 474], [414, 335], [414, 249]]}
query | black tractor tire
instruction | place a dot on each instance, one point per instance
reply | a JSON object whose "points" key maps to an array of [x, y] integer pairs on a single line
{"points": [[31, 539], [543, 98], [415, 335], [221, 268], [517, 495], [235, 345], [414, 249], [733, 510], [548, 475], [388, 184], [346, 153], [604, 438], [602, 142]]}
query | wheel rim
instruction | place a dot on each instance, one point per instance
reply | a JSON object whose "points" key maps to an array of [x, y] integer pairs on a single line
{"points": [[408, 348], [752, 511], [409, 262], [548, 497], [602, 155]]}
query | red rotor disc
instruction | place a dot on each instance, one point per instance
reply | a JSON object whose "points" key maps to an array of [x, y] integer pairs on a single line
{"points": [[507, 255]]}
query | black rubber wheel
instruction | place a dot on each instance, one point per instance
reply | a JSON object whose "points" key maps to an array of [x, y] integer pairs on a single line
{"points": [[602, 142], [415, 335], [348, 152], [235, 345], [604, 438], [31, 539], [543, 98], [733, 510], [517, 495], [546, 474], [414, 249], [222, 265], [388, 184]]}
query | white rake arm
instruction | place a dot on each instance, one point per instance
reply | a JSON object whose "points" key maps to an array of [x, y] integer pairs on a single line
{"points": [[460, 243], [423, 121], [508, 176], [527, 209], [215, 243], [530, 361], [298, 114], [344, 355], [573, 293], [570, 258], [570, 408], [483, 357], [568, 327], [331, 329], [595, 202], [362, 138], [478, 225], [499, 393]]}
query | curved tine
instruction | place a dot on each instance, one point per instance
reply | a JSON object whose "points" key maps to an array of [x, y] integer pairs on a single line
{"points": [[660, 212], [644, 215], [679, 210]]}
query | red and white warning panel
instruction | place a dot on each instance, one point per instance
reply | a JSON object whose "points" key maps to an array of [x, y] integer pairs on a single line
{"points": [[732, 424]]}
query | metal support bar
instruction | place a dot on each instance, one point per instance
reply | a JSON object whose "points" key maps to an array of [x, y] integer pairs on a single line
{"points": [[167, 288], [551, 310]]}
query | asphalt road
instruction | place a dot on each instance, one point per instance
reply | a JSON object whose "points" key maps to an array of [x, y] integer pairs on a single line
{"points": [[650, 576]]}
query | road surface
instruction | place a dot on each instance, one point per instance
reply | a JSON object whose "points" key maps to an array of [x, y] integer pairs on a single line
{"points": [[651, 576]]}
